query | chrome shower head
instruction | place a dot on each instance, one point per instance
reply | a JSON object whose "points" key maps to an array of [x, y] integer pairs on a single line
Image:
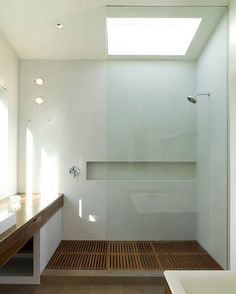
{"points": [[194, 99]]}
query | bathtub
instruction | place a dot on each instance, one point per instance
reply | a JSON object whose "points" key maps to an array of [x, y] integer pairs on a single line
{"points": [[201, 282]]}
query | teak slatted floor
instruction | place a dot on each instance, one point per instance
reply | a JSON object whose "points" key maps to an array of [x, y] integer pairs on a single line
{"points": [[131, 255]]}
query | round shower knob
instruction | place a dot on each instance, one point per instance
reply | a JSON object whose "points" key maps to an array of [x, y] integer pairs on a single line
{"points": [[74, 171]]}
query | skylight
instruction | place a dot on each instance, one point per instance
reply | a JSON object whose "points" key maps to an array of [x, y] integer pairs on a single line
{"points": [[151, 36]]}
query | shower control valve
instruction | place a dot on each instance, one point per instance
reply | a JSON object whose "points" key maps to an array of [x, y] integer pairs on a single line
{"points": [[74, 171]]}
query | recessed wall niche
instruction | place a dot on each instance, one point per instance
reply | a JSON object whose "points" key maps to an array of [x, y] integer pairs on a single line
{"points": [[141, 170]]}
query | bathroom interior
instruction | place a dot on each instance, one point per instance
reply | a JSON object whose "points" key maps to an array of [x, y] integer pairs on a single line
{"points": [[116, 154]]}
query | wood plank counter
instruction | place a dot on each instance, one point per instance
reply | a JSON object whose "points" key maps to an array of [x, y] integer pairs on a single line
{"points": [[32, 212]]}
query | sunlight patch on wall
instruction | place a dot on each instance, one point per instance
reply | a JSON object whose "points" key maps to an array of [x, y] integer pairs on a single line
{"points": [[80, 208], [49, 175], [163, 202], [29, 162], [92, 218]]}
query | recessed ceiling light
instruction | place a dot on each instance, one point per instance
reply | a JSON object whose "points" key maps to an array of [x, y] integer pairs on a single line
{"points": [[151, 36], [39, 100], [60, 25], [39, 81]]}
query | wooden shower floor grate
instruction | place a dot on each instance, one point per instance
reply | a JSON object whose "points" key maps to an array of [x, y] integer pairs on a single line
{"points": [[131, 255]]}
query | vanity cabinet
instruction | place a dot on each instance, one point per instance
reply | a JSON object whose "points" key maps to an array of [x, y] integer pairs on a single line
{"points": [[26, 248]]}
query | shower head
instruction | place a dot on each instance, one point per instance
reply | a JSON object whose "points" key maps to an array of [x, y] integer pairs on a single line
{"points": [[194, 99]]}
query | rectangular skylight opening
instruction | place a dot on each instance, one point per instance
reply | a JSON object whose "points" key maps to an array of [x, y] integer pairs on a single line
{"points": [[151, 36]]}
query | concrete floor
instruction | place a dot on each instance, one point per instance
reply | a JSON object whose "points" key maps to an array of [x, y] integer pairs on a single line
{"points": [[85, 289]]}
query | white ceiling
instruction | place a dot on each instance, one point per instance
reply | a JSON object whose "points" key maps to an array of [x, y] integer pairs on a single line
{"points": [[29, 25]]}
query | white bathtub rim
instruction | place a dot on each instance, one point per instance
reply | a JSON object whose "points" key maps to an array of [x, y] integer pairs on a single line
{"points": [[174, 278]]}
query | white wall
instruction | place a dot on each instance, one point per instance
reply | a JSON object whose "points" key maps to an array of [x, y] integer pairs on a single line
{"points": [[70, 126], [120, 111], [50, 238], [9, 79], [232, 133], [147, 113], [212, 145]]}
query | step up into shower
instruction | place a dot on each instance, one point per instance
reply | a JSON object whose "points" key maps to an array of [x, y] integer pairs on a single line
{"points": [[131, 255]]}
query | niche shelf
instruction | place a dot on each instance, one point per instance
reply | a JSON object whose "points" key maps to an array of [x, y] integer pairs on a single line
{"points": [[114, 170]]}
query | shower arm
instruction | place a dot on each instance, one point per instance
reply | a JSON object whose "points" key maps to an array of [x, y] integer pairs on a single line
{"points": [[202, 94]]}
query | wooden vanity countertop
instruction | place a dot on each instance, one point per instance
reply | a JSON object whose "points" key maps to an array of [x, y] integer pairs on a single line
{"points": [[27, 208]]}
